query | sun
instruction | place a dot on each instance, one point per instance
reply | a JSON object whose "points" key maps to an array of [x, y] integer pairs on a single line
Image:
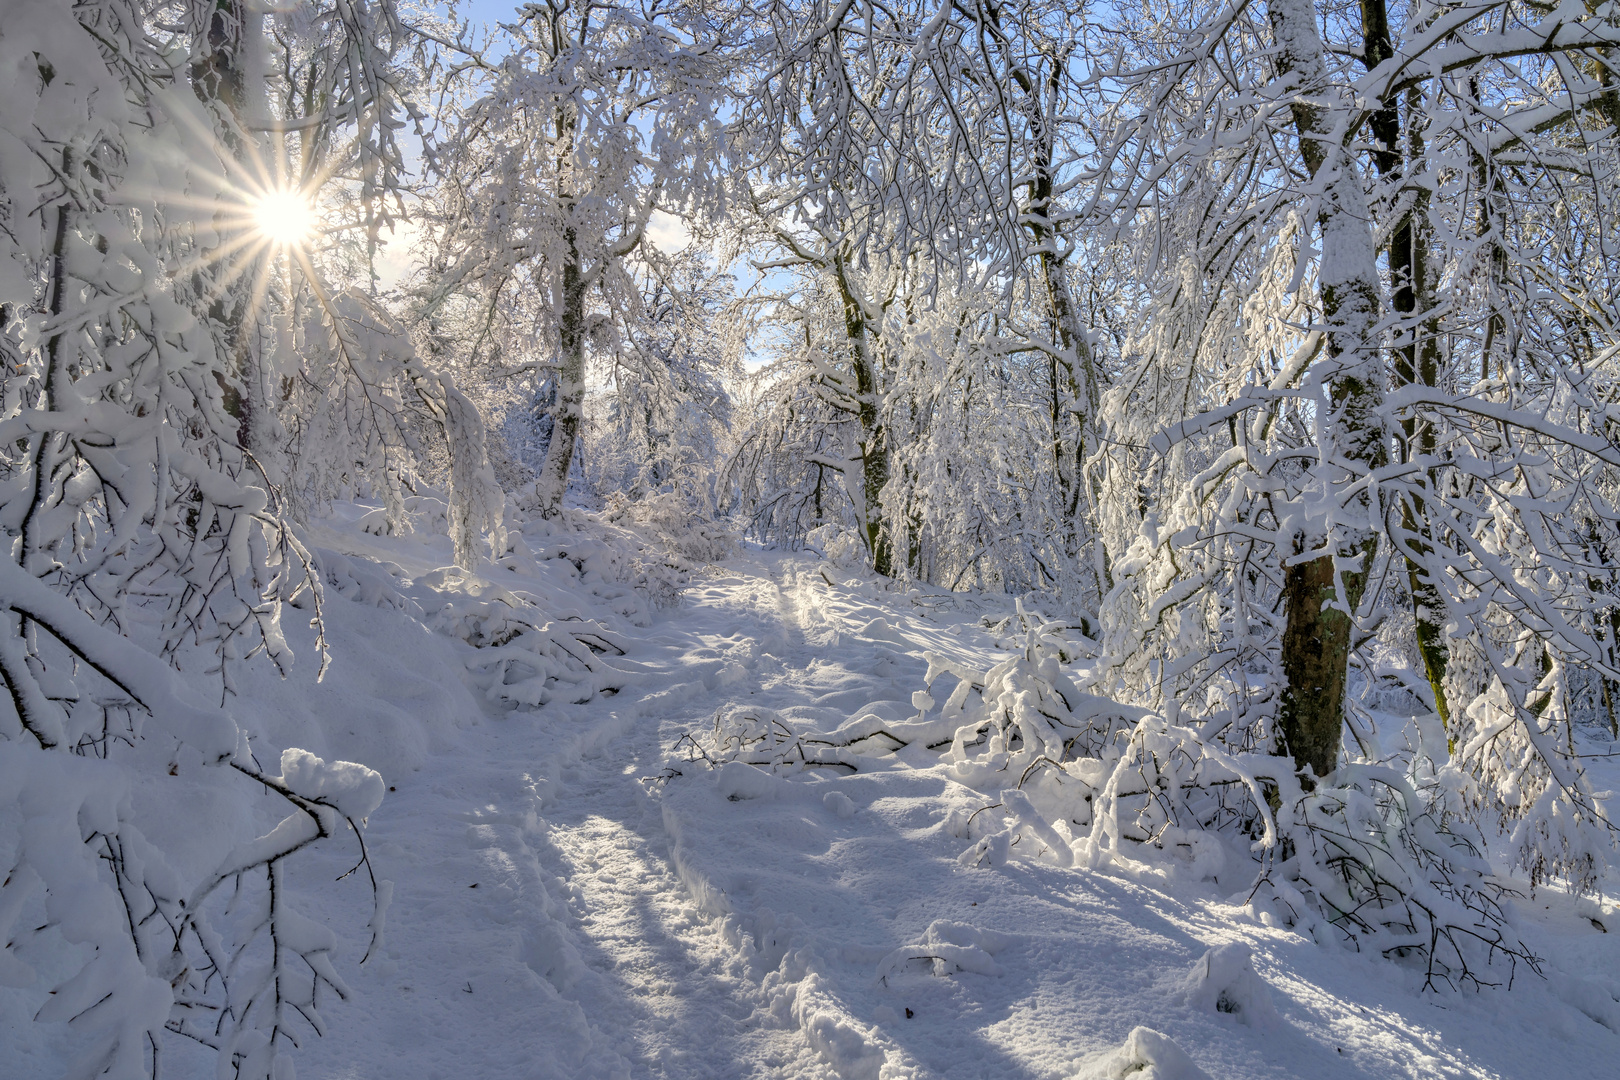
{"points": [[284, 217]]}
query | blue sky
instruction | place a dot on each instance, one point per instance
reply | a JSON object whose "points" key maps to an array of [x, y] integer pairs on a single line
{"points": [[487, 11]]}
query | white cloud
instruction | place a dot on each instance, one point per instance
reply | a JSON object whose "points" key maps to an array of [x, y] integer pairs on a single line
{"points": [[668, 232]]}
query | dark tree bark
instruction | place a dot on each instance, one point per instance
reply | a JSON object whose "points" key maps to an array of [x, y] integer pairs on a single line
{"points": [[1316, 644], [1417, 358], [874, 439]]}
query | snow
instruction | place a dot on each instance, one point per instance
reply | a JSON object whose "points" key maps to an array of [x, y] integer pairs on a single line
{"points": [[573, 890], [352, 789], [353, 728], [1146, 1054]]}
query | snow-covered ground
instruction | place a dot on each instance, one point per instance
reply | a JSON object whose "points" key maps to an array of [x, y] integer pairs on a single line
{"points": [[577, 892]]}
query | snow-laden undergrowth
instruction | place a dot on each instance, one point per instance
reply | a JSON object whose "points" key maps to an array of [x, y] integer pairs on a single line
{"points": [[890, 849], [1080, 779], [1266, 353], [863, 831]]}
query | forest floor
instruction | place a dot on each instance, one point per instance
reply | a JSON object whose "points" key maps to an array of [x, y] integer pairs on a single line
{"points": [[574, 897]]}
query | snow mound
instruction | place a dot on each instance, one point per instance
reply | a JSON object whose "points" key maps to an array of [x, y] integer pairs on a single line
{"points": [[839, 803], [737, 781], [1224, 980], [1145, 1055], [946, 948], [848, 1046], [1590, 997]]}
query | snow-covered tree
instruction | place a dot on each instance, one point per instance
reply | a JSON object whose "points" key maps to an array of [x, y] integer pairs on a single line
{"points": [[1361, 405], [331, 394], [553, 161], [664, 417], [153, 337], [927, 151]]}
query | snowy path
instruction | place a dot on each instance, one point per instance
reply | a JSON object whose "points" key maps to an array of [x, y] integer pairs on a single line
{"points": [[580, 953], [557, 914]]}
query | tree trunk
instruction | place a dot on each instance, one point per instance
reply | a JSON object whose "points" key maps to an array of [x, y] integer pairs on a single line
{"points": [[1316, 643], [1315, 650], [552, 482], [874, 437], [218, 79], [1073, 376], [568, 300], [1417, 358]]}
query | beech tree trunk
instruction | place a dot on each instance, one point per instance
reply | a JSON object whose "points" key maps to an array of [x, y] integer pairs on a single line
{"points": [[1072, 373], [1327, 572], [1417, 358], [552, 482], [568, 300], [874, 439]]}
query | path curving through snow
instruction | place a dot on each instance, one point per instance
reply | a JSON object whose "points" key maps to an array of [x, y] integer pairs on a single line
{"points": [[538, 926], [574, 898]]}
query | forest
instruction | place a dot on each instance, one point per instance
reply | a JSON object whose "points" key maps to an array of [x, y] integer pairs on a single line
{"points": [[1245, 374]]}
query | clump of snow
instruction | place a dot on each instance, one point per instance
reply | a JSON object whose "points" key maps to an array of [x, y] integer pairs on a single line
{"points": [[353, 789], [1022, 820], [946, 948], [839, 803], [1145, 1055], [1224, 980], [736, 780]]}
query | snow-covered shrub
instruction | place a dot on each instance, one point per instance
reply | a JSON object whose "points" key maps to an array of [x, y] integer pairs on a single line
{"points": [[1523, 772], [689, 533], [765, 739], [522, 658], [143, 534], [623, 566], [1377, 864], [1365, 855], [366, 418], [1033, 712], [1073, 777], [839, 545]]}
